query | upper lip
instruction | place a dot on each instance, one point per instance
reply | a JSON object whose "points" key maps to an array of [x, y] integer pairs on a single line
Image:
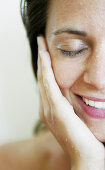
{"points": [[93, 98]]}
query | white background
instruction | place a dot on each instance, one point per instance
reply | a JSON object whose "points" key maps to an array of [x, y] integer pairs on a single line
{"points": [[18, 92]]}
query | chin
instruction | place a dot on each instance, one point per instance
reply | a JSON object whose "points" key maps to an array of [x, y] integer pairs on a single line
{"points": [[96, 126], [99, 137], [97, 129], [98, 132]]}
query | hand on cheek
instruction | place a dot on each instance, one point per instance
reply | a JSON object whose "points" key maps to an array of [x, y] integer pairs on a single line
{"points": [[59, 116]]}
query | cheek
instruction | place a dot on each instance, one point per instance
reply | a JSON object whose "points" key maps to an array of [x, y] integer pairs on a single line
{"points": [[66, 72]]}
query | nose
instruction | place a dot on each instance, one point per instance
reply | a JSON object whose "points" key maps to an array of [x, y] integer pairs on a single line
{"points": [[94, 73]]}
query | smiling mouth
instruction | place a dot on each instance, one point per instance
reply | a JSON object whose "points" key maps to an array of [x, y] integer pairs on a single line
{"points": [[95, 104], [94, 109]]}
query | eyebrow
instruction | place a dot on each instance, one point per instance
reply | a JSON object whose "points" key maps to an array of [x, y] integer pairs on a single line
{"points": [[70, 31]]}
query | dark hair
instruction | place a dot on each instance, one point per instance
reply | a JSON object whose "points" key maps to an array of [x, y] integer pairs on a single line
{"points": [[34, 15]]}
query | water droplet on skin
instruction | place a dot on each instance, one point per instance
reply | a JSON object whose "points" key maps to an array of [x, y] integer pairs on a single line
{"points": [[66, 140]]}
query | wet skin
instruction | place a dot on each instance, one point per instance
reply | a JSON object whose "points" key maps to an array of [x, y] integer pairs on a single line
{"points": [[75, 26]]}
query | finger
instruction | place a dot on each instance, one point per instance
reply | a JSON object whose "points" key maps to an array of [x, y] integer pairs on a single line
{"points": [[52, 90], [46, 106], [42, 46], [41, 43]]}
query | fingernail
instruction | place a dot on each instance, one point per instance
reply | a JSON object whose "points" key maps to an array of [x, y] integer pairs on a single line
{"points": [[41, 43]]}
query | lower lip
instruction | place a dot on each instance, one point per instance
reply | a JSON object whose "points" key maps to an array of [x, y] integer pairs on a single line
{"points": [[92, 111]]}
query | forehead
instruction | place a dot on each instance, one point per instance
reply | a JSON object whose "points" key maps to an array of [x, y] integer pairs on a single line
{"points": [[84, 14]]}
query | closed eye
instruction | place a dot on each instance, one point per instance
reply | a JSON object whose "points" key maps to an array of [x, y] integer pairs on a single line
{"points": [[72, 53]]}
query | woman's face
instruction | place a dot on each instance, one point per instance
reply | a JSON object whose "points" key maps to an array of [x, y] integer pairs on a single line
{"points": [[75, 35]]}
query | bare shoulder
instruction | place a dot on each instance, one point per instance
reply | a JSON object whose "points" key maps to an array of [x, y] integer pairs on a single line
{"points": [[27, 154]]}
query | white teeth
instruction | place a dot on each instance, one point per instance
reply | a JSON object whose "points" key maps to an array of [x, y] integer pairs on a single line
{"points": [[87, 101], [91, 103], [94, 103]]}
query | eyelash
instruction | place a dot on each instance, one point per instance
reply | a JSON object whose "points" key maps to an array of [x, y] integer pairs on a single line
{"points": [[72, 53]]}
